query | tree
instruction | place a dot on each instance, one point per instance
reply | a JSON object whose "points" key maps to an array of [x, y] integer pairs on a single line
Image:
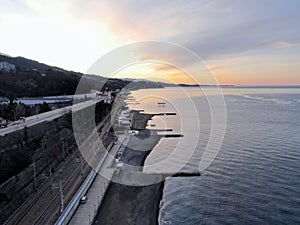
{"points": [[11, 113], [44, 107]]}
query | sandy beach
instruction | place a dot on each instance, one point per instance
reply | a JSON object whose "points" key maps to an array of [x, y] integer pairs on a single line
{"points": [[125, 204]]}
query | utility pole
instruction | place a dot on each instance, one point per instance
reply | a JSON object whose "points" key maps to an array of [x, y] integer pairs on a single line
{"points": [[50, 173], [63, 149], [61, 197], [81, 165], [95, 147], [43, 145], [15, 114], [34, 176]]}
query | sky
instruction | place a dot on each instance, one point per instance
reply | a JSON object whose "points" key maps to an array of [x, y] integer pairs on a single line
{"points": [[239, 42]]}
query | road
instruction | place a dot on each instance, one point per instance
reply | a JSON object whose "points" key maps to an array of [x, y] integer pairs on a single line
{"points": [[49, 116], [85, 213]]}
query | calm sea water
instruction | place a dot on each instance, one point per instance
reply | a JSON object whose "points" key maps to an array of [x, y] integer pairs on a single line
{"points": [[255, 177]]}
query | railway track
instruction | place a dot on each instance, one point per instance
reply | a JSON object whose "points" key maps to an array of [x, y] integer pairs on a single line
{"points": [[54, 204], [31, 204], [21, 212], [34, 211]]}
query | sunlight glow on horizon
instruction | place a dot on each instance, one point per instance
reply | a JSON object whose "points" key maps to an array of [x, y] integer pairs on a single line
{"points": [[56, 39]]}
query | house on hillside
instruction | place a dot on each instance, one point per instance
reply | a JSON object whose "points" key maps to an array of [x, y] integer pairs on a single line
{"points": [[3, 123], [4, 101], [7, 67]]}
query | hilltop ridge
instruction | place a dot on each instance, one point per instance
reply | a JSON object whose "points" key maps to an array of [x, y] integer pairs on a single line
{"points": [[32, 78]]}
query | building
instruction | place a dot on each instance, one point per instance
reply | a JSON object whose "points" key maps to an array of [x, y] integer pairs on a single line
{"points": [[5, 66], [4, 101], [3, 123]]}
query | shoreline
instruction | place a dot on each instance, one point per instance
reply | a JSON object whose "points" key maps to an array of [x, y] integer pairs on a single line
{"points": [[125, 204]]}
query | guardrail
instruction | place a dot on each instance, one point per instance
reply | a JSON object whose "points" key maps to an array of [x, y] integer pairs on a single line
{"points": [[48, 116], [72, 206]]}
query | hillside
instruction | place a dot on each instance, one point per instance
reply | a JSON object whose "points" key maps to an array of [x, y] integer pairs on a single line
{"points": [[25, 64], [32, 78]]}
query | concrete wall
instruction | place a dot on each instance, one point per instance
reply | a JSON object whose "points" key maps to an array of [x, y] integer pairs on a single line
{"points": [[43, 144]]}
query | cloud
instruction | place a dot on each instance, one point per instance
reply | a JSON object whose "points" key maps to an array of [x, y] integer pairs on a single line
{"points": [[164, 68], [210, 28], [12, 10], [281, 44], [215, 30], [139, 20]]}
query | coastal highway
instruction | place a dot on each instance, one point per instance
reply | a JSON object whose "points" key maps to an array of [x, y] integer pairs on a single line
{"points": [[85, 213], [49, 116]]}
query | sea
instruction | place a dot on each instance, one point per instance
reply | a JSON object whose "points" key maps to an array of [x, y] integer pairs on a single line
{"points": [[245, 142]]}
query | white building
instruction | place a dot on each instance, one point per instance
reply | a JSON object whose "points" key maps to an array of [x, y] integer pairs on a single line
{"points": [[5, 66]]}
